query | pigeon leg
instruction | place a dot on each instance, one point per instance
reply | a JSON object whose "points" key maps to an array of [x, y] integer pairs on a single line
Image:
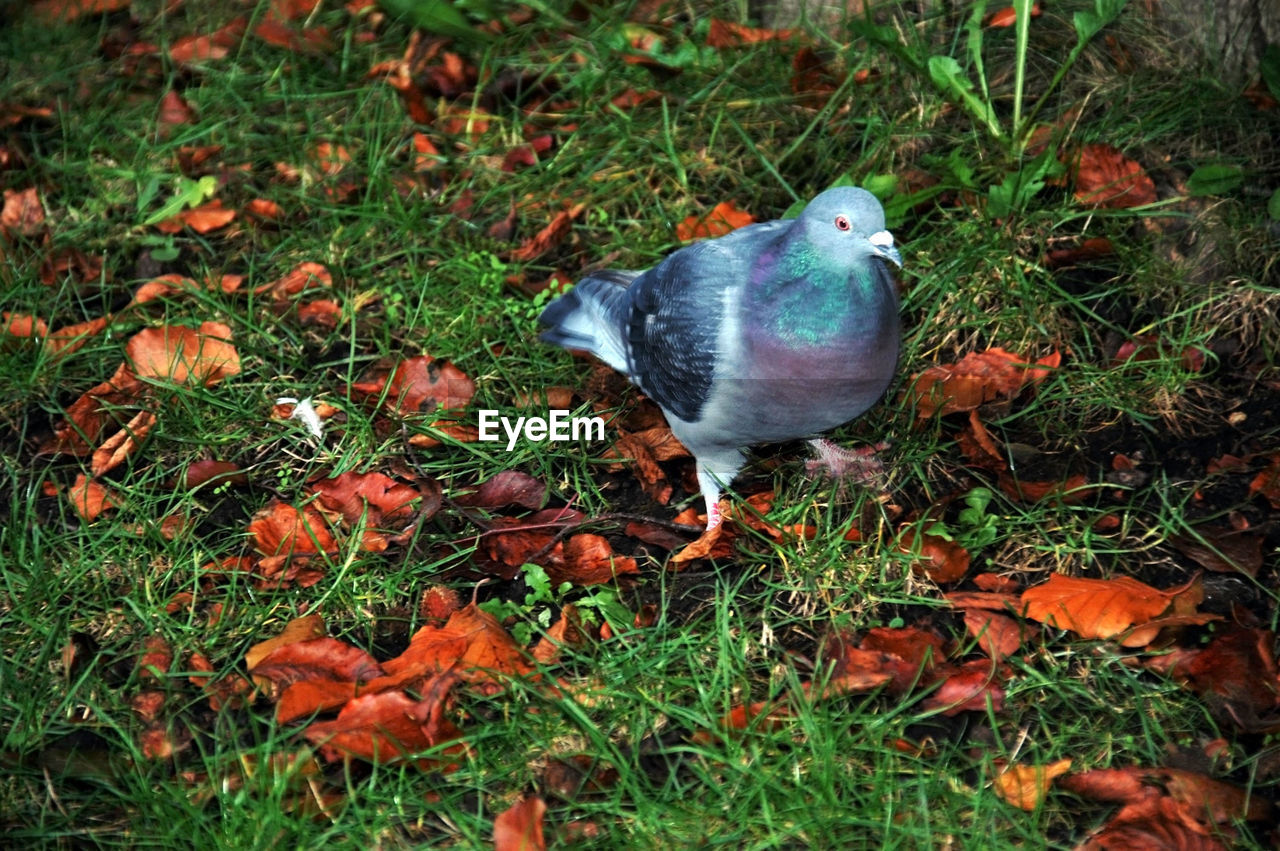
{"points": [[710, 487], [860, 466]]}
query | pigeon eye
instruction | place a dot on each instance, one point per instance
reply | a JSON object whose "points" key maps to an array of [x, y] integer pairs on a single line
{"points": [[842, 223]]}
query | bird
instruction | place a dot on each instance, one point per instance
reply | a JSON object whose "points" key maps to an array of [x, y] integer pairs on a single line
{"points": [[776, 331]]}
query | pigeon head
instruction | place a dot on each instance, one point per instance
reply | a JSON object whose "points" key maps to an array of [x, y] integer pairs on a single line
{"points": [[846, 226]]}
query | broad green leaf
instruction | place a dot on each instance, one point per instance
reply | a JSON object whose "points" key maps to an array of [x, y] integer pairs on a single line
{"points": [[1270, 68], [1216, 179], [190, 194], [948, 76], [880, 185], [1273, 206], [438, 16], [1088, 24]]}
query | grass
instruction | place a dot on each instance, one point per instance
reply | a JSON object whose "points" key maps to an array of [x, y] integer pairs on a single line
{"points": [[417, 270]]}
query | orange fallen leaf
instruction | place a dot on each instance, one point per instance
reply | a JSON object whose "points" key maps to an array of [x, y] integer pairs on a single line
{"points": [[90, 499], [1104, 177], [1099, 608], [23, 213], [1008, 16], [22, 325], [723, 218], [519, 827], [175, 110], [978, 378], [180, 355], [1025, 786], [729, 34], [70, 10], [118, 447], [70, 338], [940, 559], [549, 237]]}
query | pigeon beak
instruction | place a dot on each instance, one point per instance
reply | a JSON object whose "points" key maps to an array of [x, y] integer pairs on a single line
{"points": [[882, 242]]}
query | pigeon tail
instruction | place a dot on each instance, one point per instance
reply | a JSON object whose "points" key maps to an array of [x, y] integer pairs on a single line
{"points": [[592, 317]]}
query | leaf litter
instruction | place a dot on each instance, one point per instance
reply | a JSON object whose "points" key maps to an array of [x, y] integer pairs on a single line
{"points": [[411, 707]]}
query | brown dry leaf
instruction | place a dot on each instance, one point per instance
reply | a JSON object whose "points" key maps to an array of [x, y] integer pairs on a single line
{"points": [[281, 33], [302, 628], [73, 263], [519, 827], [97, 409], [1222, 549], [380, 728], [22, 325], [22, 214], [549, 237], [421, 385], [980, 377], [1236, 668], [998, 635], [729, 34], [589, 560], [209, 216], [723, 218], [509, 487], [566, 631], [209, 470], [165, 285], [280, 530], [1069, 492], [119, 446], [376, 497], [90, 499], [703, 547], [1008, 16], [192, 49], [62, 11], [1099, 608], [1267, 483], [306, 275], [970, 687], [1025, 786], [472, 644], [178, 354], [174, 110], [71, 338], [264, 210], [1104, 177], [941, 560], [1212, 800]]}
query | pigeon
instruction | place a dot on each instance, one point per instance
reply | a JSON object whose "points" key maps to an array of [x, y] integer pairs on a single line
{"points": [[774, 332]]}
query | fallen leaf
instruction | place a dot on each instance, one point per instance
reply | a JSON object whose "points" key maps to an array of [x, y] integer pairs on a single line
{"points": [[722, 219], [91, 499], [941, 560], [1025, 786], [509, 487], [22, 214], [1098, 608], [589, 560], [980, 377], [179, 354], [724, 34], [1104, 177], [519, 827], [549, 237]]}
